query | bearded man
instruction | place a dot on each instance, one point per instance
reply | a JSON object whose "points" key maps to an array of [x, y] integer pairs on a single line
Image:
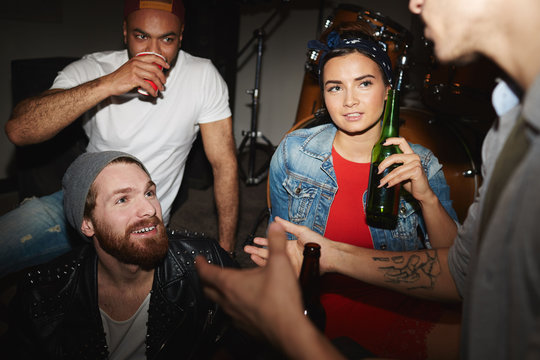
{"points": [[131, 291]]}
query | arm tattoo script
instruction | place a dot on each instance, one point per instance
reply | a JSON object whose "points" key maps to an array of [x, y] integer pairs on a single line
{"points": [[420, 271]]}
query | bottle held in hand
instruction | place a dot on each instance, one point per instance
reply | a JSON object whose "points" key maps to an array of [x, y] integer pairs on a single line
{"points": [[310, 283], [383, 202]]}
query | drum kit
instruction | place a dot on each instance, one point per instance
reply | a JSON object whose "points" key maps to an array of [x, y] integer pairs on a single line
{"points": [[452, 109]]}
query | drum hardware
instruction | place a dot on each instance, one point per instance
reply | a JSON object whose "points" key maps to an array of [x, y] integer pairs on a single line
{"points": [[313, 55], [263, 216], [310, 65], [401, 67], [470, 173], [251, 137], [460, 89]]}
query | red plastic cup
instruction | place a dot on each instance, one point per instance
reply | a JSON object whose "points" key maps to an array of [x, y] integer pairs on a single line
{"points": [[141, 90]]}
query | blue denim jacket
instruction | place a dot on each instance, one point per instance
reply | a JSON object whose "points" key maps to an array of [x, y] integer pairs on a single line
{"points": [[303, 185]]}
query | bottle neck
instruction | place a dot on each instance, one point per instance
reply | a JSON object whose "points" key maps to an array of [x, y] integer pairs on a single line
{"points": [[310, 273], [390, 125]]}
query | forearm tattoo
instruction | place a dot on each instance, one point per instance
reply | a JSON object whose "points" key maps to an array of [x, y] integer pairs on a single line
{"points": [[420, 270]]}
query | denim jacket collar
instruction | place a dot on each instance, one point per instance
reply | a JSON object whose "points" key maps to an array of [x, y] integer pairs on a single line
{"points": [[319, 144]]}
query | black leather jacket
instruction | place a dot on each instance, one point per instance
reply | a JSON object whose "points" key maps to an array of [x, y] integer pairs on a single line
{"points": [[56, 315]]}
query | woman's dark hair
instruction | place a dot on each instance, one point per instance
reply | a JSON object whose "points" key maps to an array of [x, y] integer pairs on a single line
{"points": [[349, 30]]}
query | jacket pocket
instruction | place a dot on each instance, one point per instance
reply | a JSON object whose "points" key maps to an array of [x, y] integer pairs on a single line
{"points": [[406, 229], [302, 194]]}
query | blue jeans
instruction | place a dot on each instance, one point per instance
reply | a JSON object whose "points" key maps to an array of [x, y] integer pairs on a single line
{"points": [[34, 233]]}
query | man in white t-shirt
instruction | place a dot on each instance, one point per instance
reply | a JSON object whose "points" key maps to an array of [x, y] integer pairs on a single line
{"points": [[185, 94]]}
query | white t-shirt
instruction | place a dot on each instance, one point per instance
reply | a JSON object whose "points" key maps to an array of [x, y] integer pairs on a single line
{"points": [[160, 133]]}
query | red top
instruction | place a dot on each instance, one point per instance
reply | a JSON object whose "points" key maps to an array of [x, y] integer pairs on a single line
{"points": [[386, 323]]}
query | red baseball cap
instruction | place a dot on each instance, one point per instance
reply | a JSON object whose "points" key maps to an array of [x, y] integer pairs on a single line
{"points": [[173, 6]]}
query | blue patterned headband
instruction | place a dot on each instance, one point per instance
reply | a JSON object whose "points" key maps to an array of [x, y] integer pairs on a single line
{"points": [[369, 47]]}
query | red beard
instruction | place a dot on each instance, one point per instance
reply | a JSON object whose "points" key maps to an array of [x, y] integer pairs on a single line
{"points": [[146, 252]]}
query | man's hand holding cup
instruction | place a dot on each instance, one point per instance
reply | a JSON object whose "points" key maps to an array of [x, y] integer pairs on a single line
{"points": [[141, 90]]}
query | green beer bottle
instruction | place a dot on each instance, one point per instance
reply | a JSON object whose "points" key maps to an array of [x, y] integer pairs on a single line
{"points": [[383, 202]]}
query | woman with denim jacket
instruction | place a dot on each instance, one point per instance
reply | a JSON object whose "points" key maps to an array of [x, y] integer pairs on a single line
{"points": [[318, 178]]}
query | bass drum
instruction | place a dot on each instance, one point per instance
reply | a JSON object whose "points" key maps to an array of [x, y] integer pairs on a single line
{"points": [[461, 89], [444, 140]]}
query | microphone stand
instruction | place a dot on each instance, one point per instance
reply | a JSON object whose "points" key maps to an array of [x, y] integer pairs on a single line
{"points": [[254, 177]]}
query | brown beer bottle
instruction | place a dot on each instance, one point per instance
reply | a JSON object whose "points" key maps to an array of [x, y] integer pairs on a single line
{"points": [[310, 283]]}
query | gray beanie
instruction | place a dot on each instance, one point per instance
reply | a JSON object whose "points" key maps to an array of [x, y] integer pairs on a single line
{"points": [[78, 179]]}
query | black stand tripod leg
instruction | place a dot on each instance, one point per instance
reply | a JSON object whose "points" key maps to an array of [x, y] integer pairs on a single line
{"points": [[251, 176], [261, 150], [263, 216]]}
